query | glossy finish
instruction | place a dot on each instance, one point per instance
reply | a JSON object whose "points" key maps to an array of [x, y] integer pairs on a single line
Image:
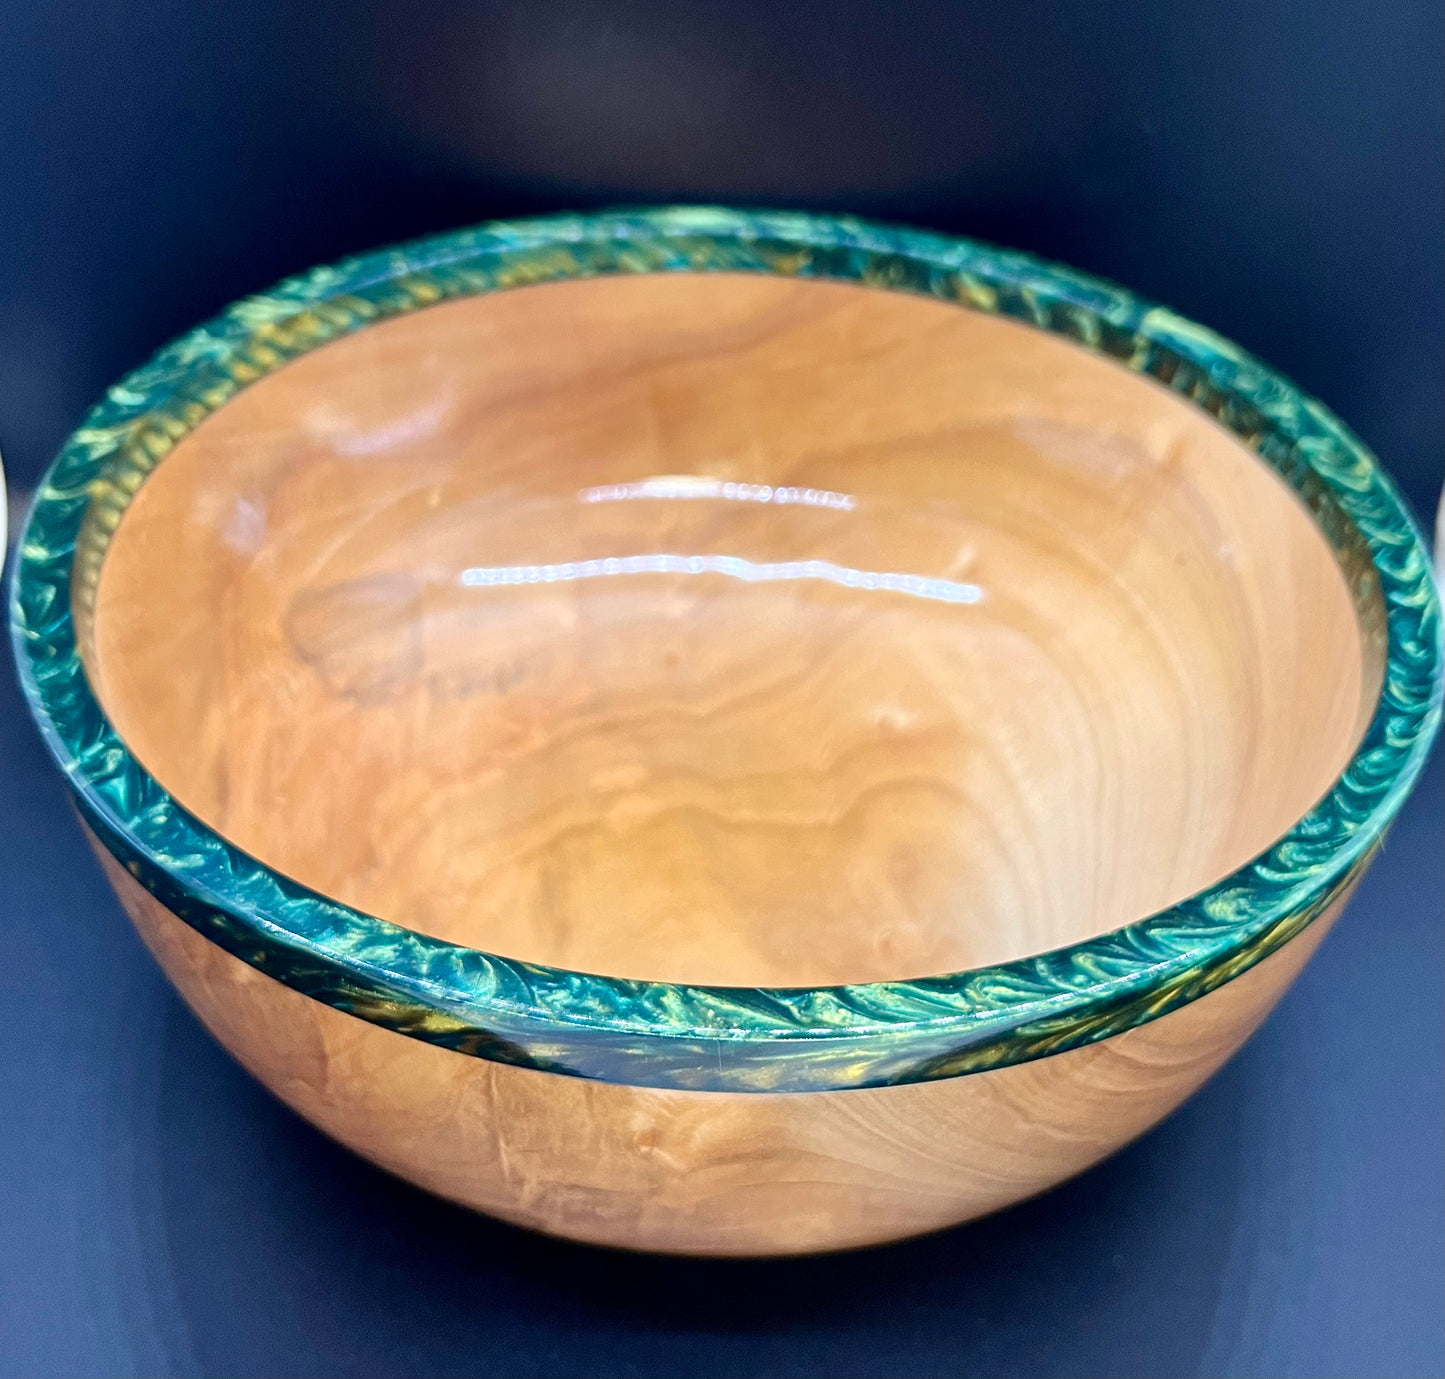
{"points": [[1082, 657], [670, 1035], [710, 1173], [944, 644]]}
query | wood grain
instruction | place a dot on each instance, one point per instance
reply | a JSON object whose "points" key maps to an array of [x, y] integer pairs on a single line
{"points": [[927, 641], [711, 1173], [702, 777]]}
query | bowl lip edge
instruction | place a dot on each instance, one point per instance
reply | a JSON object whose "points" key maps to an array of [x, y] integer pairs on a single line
{"points": [[727, 1038]]}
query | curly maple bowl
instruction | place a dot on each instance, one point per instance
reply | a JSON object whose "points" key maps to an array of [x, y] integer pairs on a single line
{"points": [[769, 734]]}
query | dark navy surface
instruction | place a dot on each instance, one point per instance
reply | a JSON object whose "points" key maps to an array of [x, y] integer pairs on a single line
{"points": [[1275, 170]]}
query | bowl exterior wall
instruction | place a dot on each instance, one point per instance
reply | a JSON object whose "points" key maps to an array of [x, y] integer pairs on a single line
{"points": [[706, 1173]]}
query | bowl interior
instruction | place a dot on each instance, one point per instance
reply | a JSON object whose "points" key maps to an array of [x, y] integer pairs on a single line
{"points": [[729, 629]]}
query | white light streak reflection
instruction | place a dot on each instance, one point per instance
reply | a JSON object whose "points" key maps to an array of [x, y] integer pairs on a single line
{"points": [[733, 566], [688, 486]]}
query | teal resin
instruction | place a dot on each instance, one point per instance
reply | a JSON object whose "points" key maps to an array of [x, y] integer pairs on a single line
{"points": [[717, 1038]]}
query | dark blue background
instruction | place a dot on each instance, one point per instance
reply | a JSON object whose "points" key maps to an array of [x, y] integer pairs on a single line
{"points": [[1276, 170]]}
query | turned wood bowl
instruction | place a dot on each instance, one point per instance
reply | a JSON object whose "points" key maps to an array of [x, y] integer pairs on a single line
{"points": [[729, 733]]}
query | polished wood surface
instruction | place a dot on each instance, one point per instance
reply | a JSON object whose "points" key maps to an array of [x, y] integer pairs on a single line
{"points": [[728, 630], [735, 774], [707, 1172]]}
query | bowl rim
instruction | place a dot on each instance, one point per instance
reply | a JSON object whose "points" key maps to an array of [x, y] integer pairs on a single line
{"points": [[696, 1037]]}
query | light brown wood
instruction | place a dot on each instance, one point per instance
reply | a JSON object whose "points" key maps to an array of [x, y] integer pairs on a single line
{"points": [[706, 1172], [361, 622], [693, 776]]}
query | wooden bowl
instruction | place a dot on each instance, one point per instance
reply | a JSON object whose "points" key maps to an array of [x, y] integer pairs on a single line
{"points": [[770, 734]]}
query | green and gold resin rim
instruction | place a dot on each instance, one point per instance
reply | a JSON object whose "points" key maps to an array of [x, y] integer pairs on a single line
{"points": [[722, 1038]]}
